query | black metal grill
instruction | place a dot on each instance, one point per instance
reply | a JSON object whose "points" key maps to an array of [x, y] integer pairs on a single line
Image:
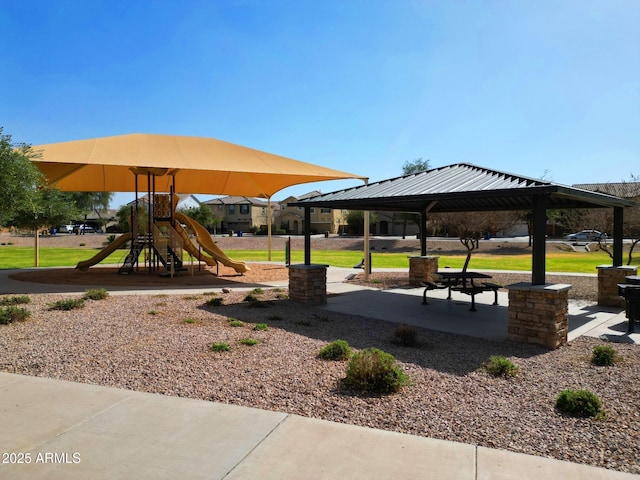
{"points": [[631, 293]]}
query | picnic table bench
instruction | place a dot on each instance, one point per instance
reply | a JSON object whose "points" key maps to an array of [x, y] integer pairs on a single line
{"points": [[462, 282]]}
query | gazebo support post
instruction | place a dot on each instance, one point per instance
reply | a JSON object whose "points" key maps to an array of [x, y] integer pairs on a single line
{"points": [[539, 240], [423, 233], [307, 282], [618, 223], [307, 235], [539, 312], [609, 276]]}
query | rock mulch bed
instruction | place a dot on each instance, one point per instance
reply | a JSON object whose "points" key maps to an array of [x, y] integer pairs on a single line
{"points": [[161, 344]]}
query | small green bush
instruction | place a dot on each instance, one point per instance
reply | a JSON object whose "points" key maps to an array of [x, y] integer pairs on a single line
{"points": [[95, 294], [249, 341], [220, 347], [604, 355], [153, 312], [68, 304], [12, 314], [372, 370], [235, 323], [336, 350], [261, 326], [15, 300], [214, 301], [251, 298], [189, 320], [500, 366], [580, 403], [406, 335], [257, 291]]}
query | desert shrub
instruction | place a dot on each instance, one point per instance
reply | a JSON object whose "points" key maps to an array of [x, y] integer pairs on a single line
{"points": [[67, 304], [257, 291], [189, 320], [372, 370], [249, 341], [261, 326], [95, 294], [336, 350], [220, 347], [500, 366], [580, 403], [251, 298], [406, 335], [235, 323], [153, 312], [214, 301], [15, 300], [11, 313], [604, 355]]}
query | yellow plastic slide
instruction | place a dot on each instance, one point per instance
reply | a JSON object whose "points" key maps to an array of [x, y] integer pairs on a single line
{"points": [[208, 245], [105, 252], [191, 249]]}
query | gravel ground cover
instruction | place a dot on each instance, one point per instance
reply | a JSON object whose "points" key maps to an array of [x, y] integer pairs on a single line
{"points": [[161, 344]]}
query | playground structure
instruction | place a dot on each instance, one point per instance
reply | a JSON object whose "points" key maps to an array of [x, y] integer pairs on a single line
{"points": [[161, 235]]}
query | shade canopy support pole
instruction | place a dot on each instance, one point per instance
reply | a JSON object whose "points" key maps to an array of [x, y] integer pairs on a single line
{"points": [[269, 228]]}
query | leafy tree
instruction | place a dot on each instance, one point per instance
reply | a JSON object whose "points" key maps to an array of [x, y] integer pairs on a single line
{"points": [[49, 207], [201, 214], [90, 202], [19, 177], [416, 166], [409, 168], [124, 217], [355, 221]]}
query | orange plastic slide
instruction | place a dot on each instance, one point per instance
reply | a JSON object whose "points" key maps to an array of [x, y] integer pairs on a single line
{"points": [[208, 245], [105, 252]]}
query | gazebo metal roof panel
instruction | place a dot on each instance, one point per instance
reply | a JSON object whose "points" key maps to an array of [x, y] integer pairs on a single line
{"points": [[460, 187]]}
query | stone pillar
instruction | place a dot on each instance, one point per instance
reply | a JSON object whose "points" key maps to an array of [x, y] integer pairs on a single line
{"points": [[422, 269], [308, 284], [539, 313], [608, 279]]}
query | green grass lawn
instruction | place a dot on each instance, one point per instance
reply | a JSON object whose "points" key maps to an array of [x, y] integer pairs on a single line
{"points": [[579, 262]]}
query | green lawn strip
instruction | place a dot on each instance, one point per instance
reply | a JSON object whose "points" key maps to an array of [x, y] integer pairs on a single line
{"points": [[23, 257], [578, 262]]}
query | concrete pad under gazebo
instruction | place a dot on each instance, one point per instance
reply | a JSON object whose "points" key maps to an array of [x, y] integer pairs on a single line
{"points": [[538, 311]]}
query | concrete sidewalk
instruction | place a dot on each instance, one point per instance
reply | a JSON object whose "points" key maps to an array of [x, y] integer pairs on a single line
{"points": [[63, 430]]}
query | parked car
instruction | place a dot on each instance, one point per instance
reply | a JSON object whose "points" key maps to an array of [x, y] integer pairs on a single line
{"points": [[65, 228], [82, 229], [586, 235]]}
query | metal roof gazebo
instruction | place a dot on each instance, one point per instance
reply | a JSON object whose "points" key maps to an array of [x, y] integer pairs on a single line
{"points": [[465, 187], [538, 312]]}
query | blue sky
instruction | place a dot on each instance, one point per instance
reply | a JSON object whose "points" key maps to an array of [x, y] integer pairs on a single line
{"points": [[538, 88]]}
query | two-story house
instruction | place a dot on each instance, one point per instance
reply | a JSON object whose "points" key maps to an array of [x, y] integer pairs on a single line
{"points": [[239, 214], [291, 219]]}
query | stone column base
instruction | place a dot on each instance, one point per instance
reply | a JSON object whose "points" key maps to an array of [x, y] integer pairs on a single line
{"points": [[422, 269], [308, 284], [539, 313], [608, 279]]}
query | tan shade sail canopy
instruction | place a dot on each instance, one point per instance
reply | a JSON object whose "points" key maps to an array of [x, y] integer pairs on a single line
{"points": [[200, 165]]}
